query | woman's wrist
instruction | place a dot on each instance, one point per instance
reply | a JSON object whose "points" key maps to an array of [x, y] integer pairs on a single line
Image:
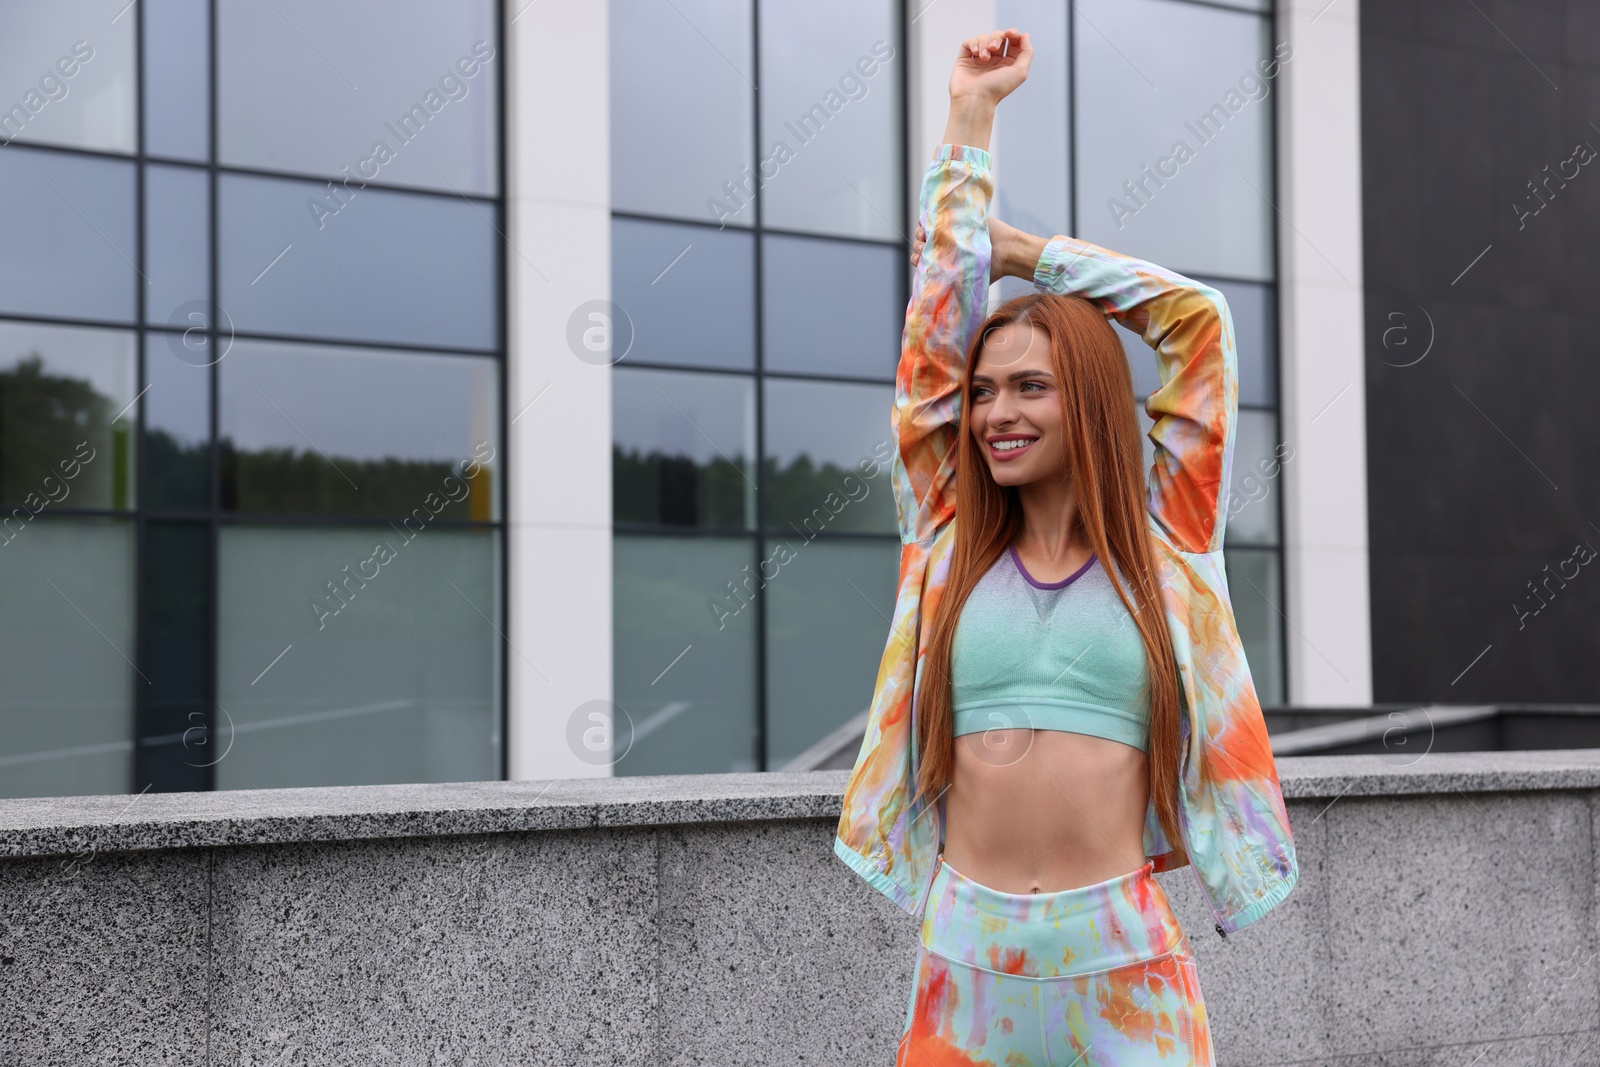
{"points": [[971, 121], [1019, 255]]}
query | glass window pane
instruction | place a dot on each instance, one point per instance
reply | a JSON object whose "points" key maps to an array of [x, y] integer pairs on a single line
{"points": [[682, 448], [1255, 333], [831, 307], [66, 642], [177, 221], [66, 420], [391, 663], [1256, 591], [358, 432], [828, 614], [402, 95], [1032, 135], [1258, 458], [71, 254], [385, 267], [682, 121], [684, 654], [175, 630], [1175, 187], [177, 73], [687, 290], [177, 426], [69, 74], [830, 117], [829, 446]]}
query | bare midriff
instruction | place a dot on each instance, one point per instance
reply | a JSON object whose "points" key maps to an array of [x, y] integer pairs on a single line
{"points": [[1038, 811]]}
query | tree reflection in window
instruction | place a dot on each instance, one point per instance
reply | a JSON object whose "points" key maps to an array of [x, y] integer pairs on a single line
{"points": [[44, 420], [663, 489], [674, 490], [305, 481]]}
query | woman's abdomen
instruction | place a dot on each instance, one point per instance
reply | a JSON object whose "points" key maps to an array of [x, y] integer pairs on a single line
{"points": [[1043, 810]]}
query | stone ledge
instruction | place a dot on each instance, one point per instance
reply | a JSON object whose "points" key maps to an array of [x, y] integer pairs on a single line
{"points": [[56, 826], [1310, 777]]}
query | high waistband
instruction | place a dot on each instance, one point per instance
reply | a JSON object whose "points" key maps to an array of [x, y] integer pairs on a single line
{"points": [[1080, 931]]}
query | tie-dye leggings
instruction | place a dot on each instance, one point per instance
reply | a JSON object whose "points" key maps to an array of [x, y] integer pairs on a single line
{"points": [[1098, 975]]}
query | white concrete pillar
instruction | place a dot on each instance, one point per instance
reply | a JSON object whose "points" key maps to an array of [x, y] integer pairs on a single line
{"points": [[936, 30], [559, 406], [1329, 638]]}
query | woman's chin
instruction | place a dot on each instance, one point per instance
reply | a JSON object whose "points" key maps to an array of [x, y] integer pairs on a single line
{"points": [[1007, 474]]}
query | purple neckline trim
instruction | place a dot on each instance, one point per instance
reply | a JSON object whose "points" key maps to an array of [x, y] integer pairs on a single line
{"points": [[1063, 583]]}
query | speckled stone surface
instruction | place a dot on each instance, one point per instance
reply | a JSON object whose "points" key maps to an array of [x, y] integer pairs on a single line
{"points": [[103, 960], [481, 950], [1418, 769], [64, 825], [763, 949], [1445, 917], [1580, 1048], [1455, 919], [1263, 985], [1424, 931]]}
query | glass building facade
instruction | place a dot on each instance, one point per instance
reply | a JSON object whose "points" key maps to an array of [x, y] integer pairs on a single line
{"points": [[764, 271], [254, 323], [759, 250], [251, 361]]}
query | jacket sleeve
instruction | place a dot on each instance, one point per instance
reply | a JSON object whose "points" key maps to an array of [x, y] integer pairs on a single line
{"points": [[949, 295], [1195, 410]]}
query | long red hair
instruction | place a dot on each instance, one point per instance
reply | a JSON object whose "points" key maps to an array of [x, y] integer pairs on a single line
{"points": [[1105, 460]]}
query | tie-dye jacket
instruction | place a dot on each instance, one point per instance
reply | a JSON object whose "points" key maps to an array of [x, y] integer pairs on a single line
{"points": [[1235, 829]]}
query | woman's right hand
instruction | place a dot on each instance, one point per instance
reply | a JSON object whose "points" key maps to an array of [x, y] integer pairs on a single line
{"points": [[983, 73], [1008, 250], [981, 79]]}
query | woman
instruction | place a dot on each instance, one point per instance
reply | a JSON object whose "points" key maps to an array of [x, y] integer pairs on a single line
{"points": [[1063, 706]]}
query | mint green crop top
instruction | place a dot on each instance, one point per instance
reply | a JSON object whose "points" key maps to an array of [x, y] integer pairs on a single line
{"points": [[1049, 656]]}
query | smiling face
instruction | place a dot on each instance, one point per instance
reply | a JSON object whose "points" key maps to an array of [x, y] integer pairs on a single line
{"points": [[1015, 409]]}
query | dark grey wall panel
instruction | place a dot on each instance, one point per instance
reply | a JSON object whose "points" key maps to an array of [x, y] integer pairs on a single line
{"points": [[1482, 455]]}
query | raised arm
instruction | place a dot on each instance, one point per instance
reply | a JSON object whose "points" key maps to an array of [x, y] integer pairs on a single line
{"points": [[1189, 326], [949, 289]]}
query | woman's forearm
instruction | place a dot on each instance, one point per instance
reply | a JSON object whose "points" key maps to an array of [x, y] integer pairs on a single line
{"points": [[971, 121], [1017, 255]]}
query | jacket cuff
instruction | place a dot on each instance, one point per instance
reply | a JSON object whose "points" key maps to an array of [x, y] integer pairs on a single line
{"points": [[1055, 261], [1266, 903], [874, 877], [962, 153]]}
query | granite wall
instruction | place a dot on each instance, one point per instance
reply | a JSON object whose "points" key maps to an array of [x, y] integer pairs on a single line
{"points": [[1445, 915]]}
